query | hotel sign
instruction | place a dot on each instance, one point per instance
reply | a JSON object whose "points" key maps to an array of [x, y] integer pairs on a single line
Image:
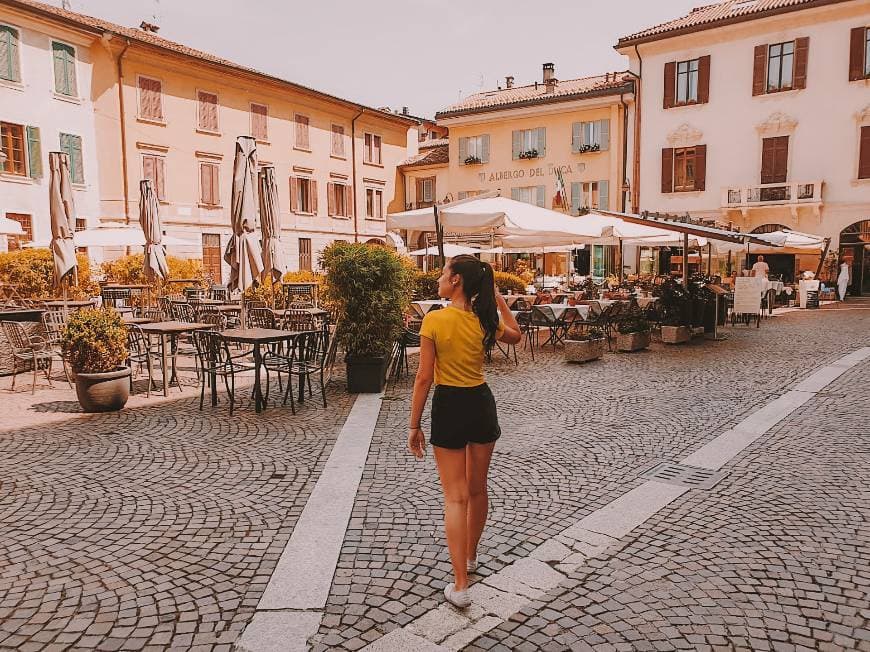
{"points": [[531, 173]]}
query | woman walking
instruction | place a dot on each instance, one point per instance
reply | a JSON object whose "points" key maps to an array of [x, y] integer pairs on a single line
{"points": [[844, 278], [464, 428]]}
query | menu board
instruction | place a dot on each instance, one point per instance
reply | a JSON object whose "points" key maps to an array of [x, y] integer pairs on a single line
{"points": [[812, 299], [747, 295]]}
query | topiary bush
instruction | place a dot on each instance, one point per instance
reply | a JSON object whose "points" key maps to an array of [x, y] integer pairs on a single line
{"points": [[370, 287], [426, 284], [95, 341], [32, 270]]}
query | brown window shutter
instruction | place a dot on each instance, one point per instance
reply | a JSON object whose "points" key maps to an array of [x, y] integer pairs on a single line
{"points": [[759, 70], [670, 88], [161, 178], [704, 79], [801, 56], [668, 169], [864, 156], [313, 191], [294, 195], [856, 53], [419, 194], [348, 201], [330, 198], [768, 153], [700, 167], [204, 183], [774, 159]]}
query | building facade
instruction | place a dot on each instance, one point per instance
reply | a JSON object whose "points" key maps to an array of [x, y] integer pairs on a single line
{"points": [[757, 113], [171, 114], [524, 142], [46, 72]]}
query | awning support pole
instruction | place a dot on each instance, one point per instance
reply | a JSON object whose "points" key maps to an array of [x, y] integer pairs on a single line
{"points": [[686, 259], [823, 256], [709, 259], [439, 234]]}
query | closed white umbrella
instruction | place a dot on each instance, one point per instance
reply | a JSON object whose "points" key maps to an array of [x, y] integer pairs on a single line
{"points": [[63, 212], [270, 223], [154, 262]]}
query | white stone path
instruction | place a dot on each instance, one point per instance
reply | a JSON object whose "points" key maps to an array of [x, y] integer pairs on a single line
{"points": [[292, 606]]}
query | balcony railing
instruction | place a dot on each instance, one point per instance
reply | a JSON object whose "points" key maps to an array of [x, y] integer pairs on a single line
{"points": [[773, 194]]}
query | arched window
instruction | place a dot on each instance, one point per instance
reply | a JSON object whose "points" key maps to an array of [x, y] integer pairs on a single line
{"points": [[857, 233], [769, 228]]}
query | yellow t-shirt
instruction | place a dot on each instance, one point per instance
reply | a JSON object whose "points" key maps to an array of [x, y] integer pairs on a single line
{"points": [[458, 339]]}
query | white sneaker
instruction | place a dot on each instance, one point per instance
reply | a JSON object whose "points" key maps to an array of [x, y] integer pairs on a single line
{"points": [[471, 565], [458, 599]]}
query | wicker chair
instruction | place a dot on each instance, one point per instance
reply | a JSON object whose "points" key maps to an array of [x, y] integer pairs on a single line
{"points": [[28, 352]]}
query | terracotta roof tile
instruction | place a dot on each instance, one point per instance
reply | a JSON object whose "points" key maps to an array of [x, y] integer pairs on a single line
{"points": [[435, 142], [565, 90], [710, 16], [149, 38], [439, 155]]}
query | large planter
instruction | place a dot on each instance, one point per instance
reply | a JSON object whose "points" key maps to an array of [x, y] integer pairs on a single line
{"points": [[105, 392], [632, 341], [366, 375], [583, 350], [676, 334]]}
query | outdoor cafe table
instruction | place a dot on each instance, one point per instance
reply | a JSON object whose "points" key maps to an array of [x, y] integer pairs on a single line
{"points": [[257, 337], [511, 299], [129, 320], [75, 304], [423, 307], [171, 330]]}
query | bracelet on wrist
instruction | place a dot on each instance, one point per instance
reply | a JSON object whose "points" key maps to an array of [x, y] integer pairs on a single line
{"points": [[417, 427]]}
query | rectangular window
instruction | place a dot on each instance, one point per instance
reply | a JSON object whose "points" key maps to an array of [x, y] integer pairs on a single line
{"points": [[530, 143], [305, 254], [428, 189], [211, 256], [64, 69], [15, 242], [72, 146], [774, 159], [339, 199], [780, 66], [590, 136], [687, 81], [375, 203], [535, 195], [474, 149], [259, 121], [209, 184], [304, 195], [12, 138], [589, 194], [207, 111], [866, 52], [684, 169], [372, 153], [150, 99], [154, 168], [10, 64], [338, 141], [864, 154], [302, 141], [81, 224]]}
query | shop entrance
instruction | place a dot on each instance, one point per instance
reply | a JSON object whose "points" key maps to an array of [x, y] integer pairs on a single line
{"points": [[855, 247], [781, 265]]}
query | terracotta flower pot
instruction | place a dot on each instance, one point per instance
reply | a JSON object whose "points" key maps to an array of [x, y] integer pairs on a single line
{"points": [[103, 392], [632, 341], [583, 350]]}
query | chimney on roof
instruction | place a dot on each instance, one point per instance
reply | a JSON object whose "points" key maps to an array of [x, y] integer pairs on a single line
{"points": [[404, 110], [550, 77], [509, 81], [145, 26]]}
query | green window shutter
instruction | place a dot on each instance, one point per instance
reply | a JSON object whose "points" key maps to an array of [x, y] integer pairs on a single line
{"points": [[542, 142], [484, 156], [604, 140], [64, 69], [576, 136], [542, 196], [576, 195], [515, 193], [517, 144], [34, 152], [604, 195], [77, 164], [9, 65], [59, 69], [463, 150]]}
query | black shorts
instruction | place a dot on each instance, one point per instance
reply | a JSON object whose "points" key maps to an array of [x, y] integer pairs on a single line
{"points": [[463, 415]]}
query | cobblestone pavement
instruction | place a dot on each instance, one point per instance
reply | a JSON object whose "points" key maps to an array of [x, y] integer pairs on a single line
{"points": [[576, 437], [157, 527]]}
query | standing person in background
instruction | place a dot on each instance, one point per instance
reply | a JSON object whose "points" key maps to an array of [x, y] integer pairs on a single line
{"points": [[760, 268], [844, 278], [464, 427]]}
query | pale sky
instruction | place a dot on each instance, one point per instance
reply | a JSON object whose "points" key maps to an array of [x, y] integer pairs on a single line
{"points": [[423, 54]]}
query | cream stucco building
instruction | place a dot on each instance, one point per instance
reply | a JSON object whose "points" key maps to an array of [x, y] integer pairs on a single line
{"points": [[757, 113]]}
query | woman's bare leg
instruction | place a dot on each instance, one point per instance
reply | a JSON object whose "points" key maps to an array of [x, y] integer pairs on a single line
{"points": [[476, 472], [451, 468]]}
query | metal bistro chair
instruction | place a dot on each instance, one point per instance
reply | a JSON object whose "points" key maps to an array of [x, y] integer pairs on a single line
{"points": [[407, 339], [310, 352], [298, 320], [261, 318], [214, 359], [28, 351], [219, 293], [140, 352], [53, 323], [544, 317]]}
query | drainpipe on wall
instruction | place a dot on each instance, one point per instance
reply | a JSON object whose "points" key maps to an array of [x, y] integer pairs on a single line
{"points": [[635, 194], [353, 174], [624, 150], [123, 131]]}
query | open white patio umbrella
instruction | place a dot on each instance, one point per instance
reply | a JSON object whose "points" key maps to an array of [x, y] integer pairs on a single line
{"points": [[243, 250], [270, 223], [10, 227], [63, 216], [450, 250], [123, 235], [791, 239], [154, 262]]}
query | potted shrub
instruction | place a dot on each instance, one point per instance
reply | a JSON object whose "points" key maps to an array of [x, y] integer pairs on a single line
{"points": [[472, 160], [632, 333], [583, 347], [370, 288], [675, 308], [529, 154], [95, 343]]}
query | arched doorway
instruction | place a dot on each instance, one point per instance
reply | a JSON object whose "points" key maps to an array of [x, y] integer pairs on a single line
{"points": [[855, 246], [781, 265], [375, 241]]}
